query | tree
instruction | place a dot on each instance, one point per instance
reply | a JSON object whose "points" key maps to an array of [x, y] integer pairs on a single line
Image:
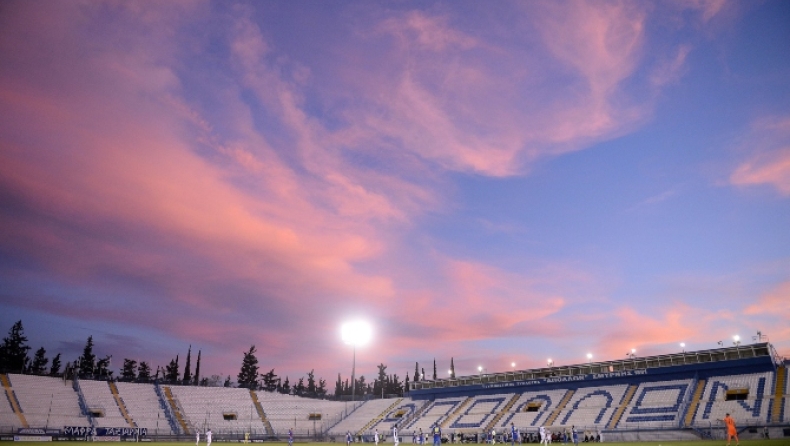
{"points": [[214, 381], [129, 370], [144, 372], [311, 383], [55, 369], [434, 369], [39, 365], [320, 391], [452, 368], [227, 382], [286, 387], [379, 385], [87, 364], [196, 379], [171, 371], [338, 387], [103, 368], [406, 386], [248, 375], [299, 388], [416, 371], [269, 381], [187, 369], [13, 351]]}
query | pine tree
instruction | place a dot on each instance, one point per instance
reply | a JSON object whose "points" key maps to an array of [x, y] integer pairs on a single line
{"points": [[406, 386], [103, 368], [248, 375], [144, 372], [311, 389], [416, 371], [434, 369], [227, 382], [129, 370], [55, 369], [13, 351], [187, 379], [452, 368], [379, 385], [286, 387], [299, 388], [338, 387], [197, 371], [39, 364], [270, 381], [171, 371], [321, 389], [87, 364]]}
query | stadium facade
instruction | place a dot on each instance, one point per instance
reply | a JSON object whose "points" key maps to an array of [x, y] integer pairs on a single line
{"points": [[666, 397]]}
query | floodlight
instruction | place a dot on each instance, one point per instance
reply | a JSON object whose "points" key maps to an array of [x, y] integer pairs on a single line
{"points": [[356, 333]]}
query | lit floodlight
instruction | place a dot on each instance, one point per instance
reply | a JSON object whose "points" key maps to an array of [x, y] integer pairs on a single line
{"points": [[633, 351], [736, 339], [549, 362], [683, 346], [513, 364], [589, 356], [356, 333]]}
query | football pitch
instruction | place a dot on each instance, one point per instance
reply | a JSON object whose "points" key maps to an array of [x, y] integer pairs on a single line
{"points": [[776, 442]]}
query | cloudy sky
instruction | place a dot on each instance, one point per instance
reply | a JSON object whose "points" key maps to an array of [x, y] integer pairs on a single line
{"points": [[492, 182]]}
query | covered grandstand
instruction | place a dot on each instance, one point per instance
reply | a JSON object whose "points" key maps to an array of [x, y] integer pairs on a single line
{"points": [[677, 396]]}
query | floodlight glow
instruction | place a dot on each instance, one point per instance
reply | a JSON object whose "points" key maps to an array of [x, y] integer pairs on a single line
{"points": [[589, 355], [549, 362], [480, 368], [356, 333], [633, 350], [683, 344], [512, 364], [736, 338]]}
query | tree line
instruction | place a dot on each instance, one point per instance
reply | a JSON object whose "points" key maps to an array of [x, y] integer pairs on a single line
{"points": [[14, 358]]}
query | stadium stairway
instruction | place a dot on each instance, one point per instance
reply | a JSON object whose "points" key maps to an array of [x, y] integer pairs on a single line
{"points": [[174, 406], [121, 405], [455, 413], [629, 395], [502, 412], [416, 415], [9, 392], [381, 416], [557, 410], [780, 383], [692, 409], [261, 413]]}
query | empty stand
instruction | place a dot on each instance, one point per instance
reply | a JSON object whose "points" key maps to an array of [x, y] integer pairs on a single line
{"points": [[47, 402]]}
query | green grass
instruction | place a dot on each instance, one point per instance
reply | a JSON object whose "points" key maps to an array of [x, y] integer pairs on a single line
{"points": [[777, 442]]}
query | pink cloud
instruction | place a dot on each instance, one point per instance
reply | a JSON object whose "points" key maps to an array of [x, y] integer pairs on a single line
{"points": [[770, 163]]}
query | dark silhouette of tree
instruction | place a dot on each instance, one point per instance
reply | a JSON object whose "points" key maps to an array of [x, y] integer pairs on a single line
{"points": [[227, 382], [196, 379], [103, 368], [338, 387], [416, 371], [13, 350], [171, 371], [320, 391], [144, 372], [39, 364], [380, 383], [286, 387], [87, 364], [55, 369], [406, 386], [129, 370], [187, 379], [299, 388], [434, 369], [311, 388], [452, 368], [248, 375], [270, 381]]}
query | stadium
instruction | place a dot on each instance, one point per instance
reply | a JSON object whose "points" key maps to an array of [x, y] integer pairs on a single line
{"points": [[673, 397]]}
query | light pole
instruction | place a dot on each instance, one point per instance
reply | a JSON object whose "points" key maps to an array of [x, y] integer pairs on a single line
{"points": [[683, 346], [355, 333], [632, 353]]}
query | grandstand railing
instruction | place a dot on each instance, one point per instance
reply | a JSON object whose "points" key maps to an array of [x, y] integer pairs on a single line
{"points": [[625, 365]]}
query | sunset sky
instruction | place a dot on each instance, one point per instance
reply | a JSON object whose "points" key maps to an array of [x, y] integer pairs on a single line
{"points": [[493, 182]]}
